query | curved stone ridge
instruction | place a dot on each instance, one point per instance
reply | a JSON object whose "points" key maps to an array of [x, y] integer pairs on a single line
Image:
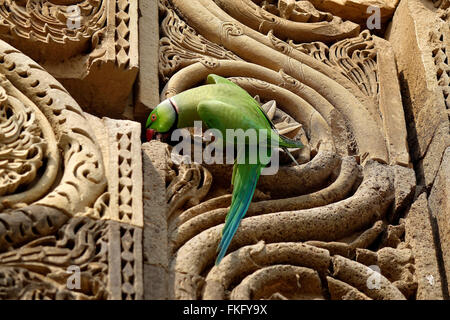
{"points": [[340, 199], [84, 177], [89, 212], [97, 38], [58, 213], [22, 144]]}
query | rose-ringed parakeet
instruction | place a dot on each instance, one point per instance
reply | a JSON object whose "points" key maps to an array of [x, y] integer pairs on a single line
{"points": [[222, 105]]}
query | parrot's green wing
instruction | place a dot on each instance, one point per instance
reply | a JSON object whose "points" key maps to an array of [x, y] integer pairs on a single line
{"points": [[284, 142], [222, 116], [245, 177], [215, 79]]}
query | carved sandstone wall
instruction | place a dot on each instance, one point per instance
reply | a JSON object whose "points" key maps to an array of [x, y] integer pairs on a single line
{"points": [[97, 62], [364, 216]]}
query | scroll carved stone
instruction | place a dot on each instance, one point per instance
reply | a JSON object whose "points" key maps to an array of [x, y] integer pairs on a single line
{"points": [[39, 268], [88, 211], [424, 84], [99, 38], [356, 57], [84, 172], [23, 145], [328, 211]]}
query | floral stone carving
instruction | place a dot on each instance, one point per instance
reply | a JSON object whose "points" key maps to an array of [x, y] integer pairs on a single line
{"points": [[66, 230], [97, 38], [88, 211]]}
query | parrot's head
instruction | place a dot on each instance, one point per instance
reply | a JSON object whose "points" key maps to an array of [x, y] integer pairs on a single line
{"points": [[162, 119]]}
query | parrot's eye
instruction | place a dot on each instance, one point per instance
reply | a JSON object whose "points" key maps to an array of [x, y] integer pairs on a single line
{"points": [[153, 117]]}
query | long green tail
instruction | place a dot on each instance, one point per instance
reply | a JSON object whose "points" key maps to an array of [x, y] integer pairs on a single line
{"points": [[245, 177], [289, 143]]}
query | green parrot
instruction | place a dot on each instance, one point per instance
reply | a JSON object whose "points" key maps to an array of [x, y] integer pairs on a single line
{"points": [[222, 105]]}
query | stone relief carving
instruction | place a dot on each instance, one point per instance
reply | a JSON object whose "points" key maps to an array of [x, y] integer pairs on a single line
{"points": [[355, 56], [88, 211], [58, 208], [325, 222], [98, 39], [424, 87], [441, 59], [38, 270]]}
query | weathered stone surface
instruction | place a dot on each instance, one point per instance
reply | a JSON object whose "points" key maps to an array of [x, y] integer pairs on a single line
{"points": [[156, 249], [419, 236], [125, 280], [341, 291], [359, 276], [430, 164], [91, 47], [420, 36], [287, 282], [125, 171], [357, 10], [147, 85], [439, 204], [415, 36], [391, 107], [405, 186], [122, 205], [66, 229], [84, 201]]}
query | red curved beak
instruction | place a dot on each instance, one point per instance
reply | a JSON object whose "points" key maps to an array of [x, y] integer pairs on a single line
{"points": [[150, 133]]}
